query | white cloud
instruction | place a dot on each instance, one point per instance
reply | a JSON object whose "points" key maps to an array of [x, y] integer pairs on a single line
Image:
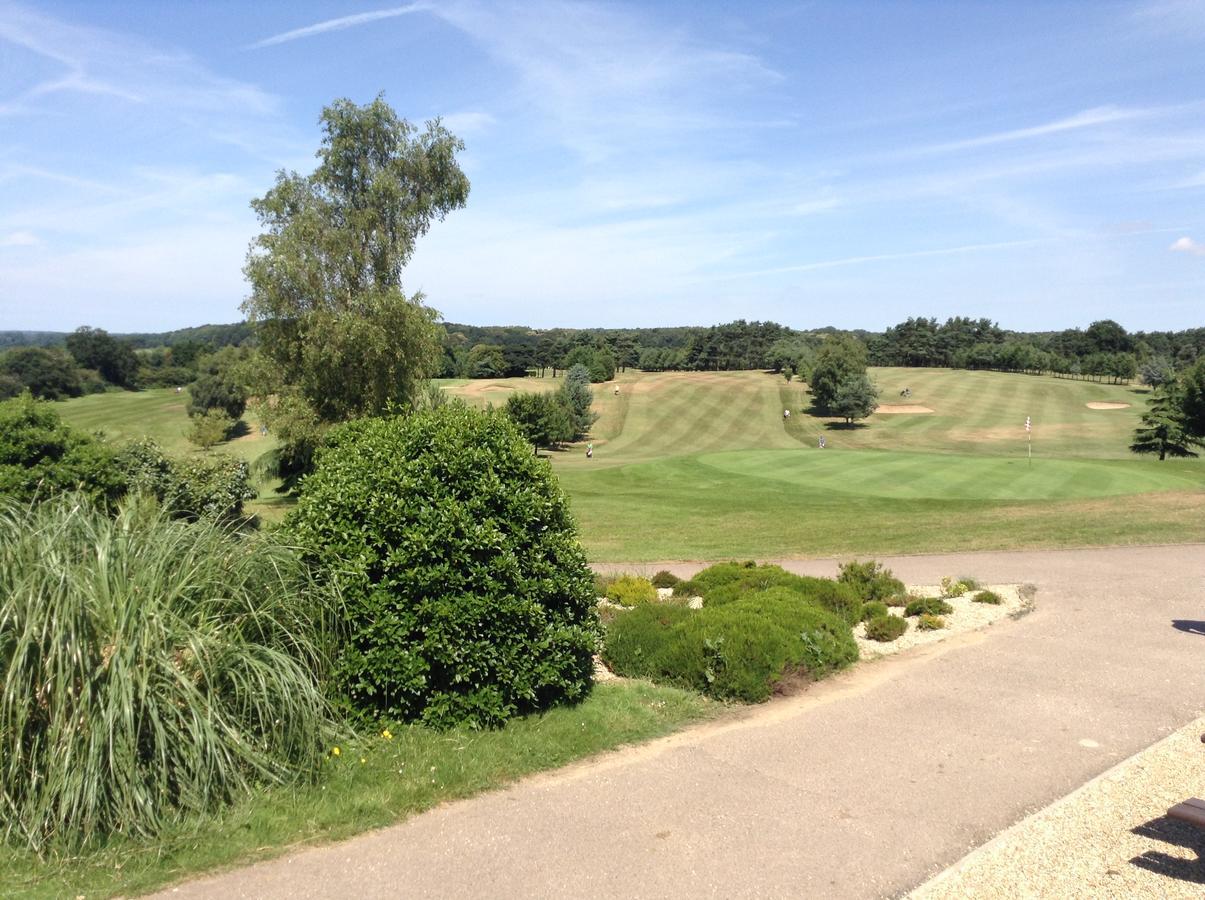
{"points": [[19, 239], [1189, 246], [338, 24], [1089, 118], [465, 123]]}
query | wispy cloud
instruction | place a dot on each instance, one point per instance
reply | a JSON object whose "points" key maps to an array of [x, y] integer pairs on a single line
{"points": [[339, 24], [466, 123], [1088, 118], [883, 257], [1189, 246]]}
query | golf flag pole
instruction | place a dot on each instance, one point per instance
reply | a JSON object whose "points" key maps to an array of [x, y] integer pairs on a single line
{"points": [[1029, 440]]}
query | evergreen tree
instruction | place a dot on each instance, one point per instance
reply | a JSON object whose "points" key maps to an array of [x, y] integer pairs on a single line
{"points": [[1164, 428]]}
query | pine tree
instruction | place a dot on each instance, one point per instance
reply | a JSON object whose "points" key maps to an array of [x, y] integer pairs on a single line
{"points": [[1163, 429]]}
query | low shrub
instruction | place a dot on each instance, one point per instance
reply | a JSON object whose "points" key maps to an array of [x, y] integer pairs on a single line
{"points": [[933, 606], [972, 584], [885, 628], [152, 668], [739, 651], [988, 597], [873, 610], [726, 583], [210, 428], [929, 622], [468, 595], [665, 579], [900, 599], [686, 589], [629, 590], [213, 487], [952, 587], [870, 580], [41, 456]]}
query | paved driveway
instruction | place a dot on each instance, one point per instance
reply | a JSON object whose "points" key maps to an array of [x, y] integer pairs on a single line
{"points": [[861, 787]]}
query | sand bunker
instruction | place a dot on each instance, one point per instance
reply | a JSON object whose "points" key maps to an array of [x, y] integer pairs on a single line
{"points": [[1097, 404], [902, 409]]}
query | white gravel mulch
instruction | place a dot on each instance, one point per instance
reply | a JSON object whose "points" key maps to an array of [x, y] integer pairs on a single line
{"points": [[1109, 838], [967, 616]]}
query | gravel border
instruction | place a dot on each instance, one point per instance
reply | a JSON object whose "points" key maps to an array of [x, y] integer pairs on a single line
{"points": [[967, 616], [1109, 838]]}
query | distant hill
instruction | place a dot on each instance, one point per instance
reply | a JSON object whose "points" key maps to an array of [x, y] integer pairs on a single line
{"points": [[214, 335]]}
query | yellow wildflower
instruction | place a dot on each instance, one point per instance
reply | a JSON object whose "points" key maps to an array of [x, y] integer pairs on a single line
{"points": [[336, 752], [387, 734]]}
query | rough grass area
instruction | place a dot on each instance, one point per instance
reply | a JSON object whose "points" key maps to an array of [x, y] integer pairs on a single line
{"points": [[372, 782]]}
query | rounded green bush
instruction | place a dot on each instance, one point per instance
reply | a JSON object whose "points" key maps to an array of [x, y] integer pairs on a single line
{"points": [[686, 589], [885, 628], [929, 622], [934, 606], [630, 590], [152, 669], [870, 580], [725, 583], [468, 595], [665, 579], [988, 597], [738, 651], [873, 609]]}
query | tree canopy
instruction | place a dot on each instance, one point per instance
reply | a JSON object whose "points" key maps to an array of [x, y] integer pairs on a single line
{"points": [[326, 273], [839, 357]]}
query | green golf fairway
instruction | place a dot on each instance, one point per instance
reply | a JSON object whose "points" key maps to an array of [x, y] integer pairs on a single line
{"points": [[947, 476]]}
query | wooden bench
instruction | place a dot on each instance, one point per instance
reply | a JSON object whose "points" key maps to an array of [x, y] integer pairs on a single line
{"points": [[1191, 811]]}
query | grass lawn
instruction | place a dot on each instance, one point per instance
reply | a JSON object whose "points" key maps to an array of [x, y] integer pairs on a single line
{"points": [[703, 466], [397, 778]]}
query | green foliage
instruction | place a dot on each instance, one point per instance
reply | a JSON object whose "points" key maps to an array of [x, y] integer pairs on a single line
{"points": [[930, 622], [739, 651], [970, 583], [1165, 429], [213, 487], [210, 428], [543, 418], [221, 388], [49, 374], [725, 583], [602, 367], [630, 590], [988, 597], [10, 387], [578, 398], [468, 596], [665, 579], [95, 348], [934, 606], [687, 588], [953, 587], [1192, 399], [325, 274], [152, 669], [885, 628], [485, 361], [838, 358], [873, 609], [856, 398], [870, 580], [40, 456]]}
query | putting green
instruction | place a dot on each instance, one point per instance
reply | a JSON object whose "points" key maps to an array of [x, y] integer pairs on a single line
{"points": [[912, 476]]}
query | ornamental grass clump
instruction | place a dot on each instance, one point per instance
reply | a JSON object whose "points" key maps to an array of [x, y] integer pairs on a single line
{"points": [[990, 597], [150, 668]]}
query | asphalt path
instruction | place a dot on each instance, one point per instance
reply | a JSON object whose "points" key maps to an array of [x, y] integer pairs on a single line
{"points": [[862, 786]]}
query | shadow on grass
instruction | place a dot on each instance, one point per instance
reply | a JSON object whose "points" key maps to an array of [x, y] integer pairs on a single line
{"points": [[1191, 626], [1178, 834], [1140, 390], [240, 429], [844, 426]]}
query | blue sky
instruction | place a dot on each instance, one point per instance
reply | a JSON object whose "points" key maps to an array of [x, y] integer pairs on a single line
{"points": [[632, 164]]}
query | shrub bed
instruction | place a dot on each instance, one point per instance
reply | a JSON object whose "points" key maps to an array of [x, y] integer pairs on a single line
{"points": [[738, 650], [885, 628], [725, 583], [468, 595]]}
